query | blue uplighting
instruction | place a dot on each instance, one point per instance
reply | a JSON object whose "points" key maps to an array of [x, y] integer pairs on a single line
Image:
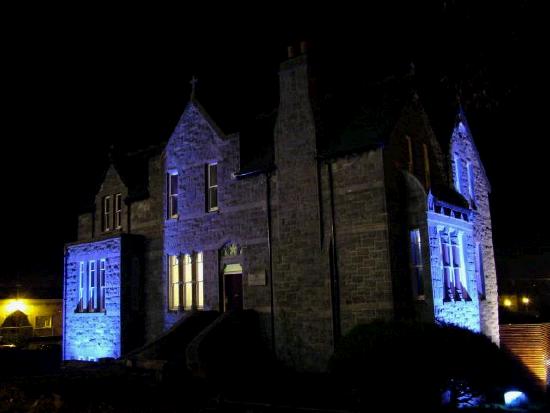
{"points": [[92, 308], [515, 398]]}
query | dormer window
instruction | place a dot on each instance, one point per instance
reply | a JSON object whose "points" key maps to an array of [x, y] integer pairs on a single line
{"points": [[111, 218], [107, 201], [118, 211], [212, 187], [172, 194]]}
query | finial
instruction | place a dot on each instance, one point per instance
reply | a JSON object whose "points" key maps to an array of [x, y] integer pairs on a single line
{"points": [[193, 83]]}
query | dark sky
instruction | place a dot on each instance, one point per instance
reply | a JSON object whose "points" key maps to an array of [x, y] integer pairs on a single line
{"points": [[77, 81]]}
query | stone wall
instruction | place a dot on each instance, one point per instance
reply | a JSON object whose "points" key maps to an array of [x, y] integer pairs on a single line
{"points": [[241, 217], [92, 335], [362, 239], [462, 144]]}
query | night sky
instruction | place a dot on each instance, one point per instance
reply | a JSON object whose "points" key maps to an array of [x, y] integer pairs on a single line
{"points": [[77, 81]]}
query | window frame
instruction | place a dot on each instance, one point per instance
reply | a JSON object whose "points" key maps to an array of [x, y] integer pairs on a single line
{"points": [[48, 323], [410, 165], [117, 211], [92, 285], [416, 263], [455, 277], [171, 195], [427, 176], [211, 188], [102, 273], [174, 283], [82, 275], [106, 209]]}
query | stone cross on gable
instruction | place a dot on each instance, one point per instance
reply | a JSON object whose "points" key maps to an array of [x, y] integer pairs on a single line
{"points": [[193, 83]]}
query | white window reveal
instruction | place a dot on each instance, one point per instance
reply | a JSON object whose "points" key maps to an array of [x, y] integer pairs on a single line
{"points": [[471, 182]]}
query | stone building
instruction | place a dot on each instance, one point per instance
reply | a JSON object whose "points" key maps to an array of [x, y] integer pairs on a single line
{"points": [[359, 214]]}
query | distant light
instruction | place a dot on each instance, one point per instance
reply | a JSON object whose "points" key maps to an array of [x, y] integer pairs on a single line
{"points": [[514, 398], [16, 305], [525, 300], [507, 302]]}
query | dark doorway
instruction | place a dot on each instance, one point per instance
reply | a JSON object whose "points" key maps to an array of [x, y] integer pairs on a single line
{"points": [[233, 292]]}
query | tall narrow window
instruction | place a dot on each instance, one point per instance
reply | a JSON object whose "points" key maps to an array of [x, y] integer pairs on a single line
{"points": [[92, 285], [101, 295], [174, 283], [427, 178], [172, 192], [458, 171], [454, 273], [188, 281], [416, 264], [118, 211], [410, 153], [199, 280], [480, 275], [106, 221], [471, 182], [81, 284], [212, 180]]}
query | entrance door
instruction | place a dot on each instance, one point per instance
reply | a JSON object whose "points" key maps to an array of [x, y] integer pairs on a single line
{"points": [[233, 287], [233, 292]]}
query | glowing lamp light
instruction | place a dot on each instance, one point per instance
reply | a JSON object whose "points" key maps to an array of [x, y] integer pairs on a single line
{"points": [[16, 305], [525, 300], [507, 302], [514, 398]]}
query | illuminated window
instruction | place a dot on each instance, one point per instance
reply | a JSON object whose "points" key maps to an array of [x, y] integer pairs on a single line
{"points": [[101, 297], [457, 170], [172, 194], [174, 283], [106, 220], [118, 211], [43, 321], [410, 153], [199, 280], [92, 286], [416, 263], [454, 274], [212, 186], [480, 275], [471, 182], [81, 284], [427, 178], [186, 284]]}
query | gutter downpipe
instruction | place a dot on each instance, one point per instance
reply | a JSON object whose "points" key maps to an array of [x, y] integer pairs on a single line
{"points": [[335, 276]]}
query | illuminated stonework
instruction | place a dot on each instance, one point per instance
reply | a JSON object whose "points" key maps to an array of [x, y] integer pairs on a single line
{"points": [[90, 335], [315, 238]]}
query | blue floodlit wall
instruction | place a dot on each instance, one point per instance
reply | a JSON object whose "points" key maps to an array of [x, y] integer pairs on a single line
{"points": [[92, 335], [462, 313]]}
